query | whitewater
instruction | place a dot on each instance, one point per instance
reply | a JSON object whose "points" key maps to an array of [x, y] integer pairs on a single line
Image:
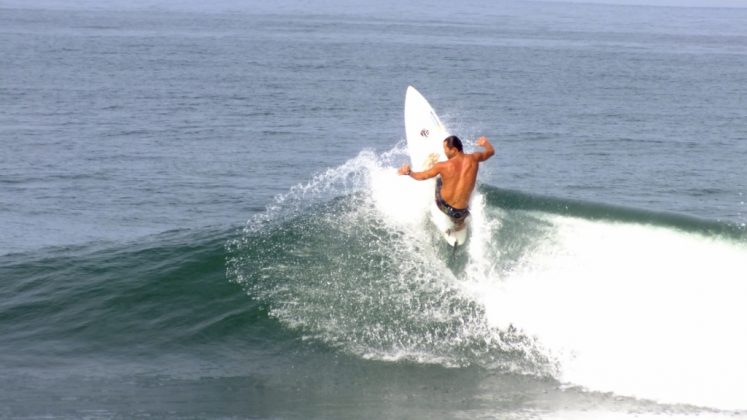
{"points": [[645, 310]]}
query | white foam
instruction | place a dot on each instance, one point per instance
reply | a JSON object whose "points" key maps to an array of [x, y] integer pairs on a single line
{"points": [[402, 200], [611, 415], [636, 310]]}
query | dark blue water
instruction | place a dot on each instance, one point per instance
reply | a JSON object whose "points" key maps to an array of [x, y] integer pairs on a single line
{"points": [[199, 214]]}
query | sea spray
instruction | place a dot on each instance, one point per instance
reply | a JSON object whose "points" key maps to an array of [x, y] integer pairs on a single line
{"points": [[350, 260]]}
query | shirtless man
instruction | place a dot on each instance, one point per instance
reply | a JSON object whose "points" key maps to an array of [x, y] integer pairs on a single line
{"points": [[458, 177]]}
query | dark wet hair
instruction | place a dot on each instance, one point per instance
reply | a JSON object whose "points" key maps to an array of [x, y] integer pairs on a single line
{"points": [[454, 142]]}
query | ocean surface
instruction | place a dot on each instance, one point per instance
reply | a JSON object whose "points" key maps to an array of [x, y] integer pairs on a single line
{"points": [[200, 215]]}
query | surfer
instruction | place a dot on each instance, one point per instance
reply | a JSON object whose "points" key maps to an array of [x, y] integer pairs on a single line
{"points": [[458, 177]]}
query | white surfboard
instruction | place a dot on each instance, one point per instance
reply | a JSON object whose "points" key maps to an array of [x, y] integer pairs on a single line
{"points": [[425, 135]]}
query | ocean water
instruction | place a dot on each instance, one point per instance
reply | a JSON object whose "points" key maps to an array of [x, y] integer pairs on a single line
{"points": [[200, 215]]}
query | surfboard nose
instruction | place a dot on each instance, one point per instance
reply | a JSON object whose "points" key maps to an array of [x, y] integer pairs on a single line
{"points": [[412, 92]]}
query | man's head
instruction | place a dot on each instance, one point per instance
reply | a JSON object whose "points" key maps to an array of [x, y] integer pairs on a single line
{"points": [[452, 146]]}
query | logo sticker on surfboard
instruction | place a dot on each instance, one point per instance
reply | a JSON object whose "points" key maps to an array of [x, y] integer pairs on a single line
{"points": [[424, 133]]}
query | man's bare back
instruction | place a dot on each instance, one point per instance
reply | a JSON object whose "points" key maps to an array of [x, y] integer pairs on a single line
{"points": [[458, 173]]}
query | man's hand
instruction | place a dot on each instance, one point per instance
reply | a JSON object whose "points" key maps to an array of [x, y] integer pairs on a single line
{"points": [[405, 170], [482, 141]]}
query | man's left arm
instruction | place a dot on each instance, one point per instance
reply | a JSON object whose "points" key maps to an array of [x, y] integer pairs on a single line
{"points": [[485, 154]]}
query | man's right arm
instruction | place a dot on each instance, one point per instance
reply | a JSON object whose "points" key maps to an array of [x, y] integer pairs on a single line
{"points": [[485, 154], [426, 174]]}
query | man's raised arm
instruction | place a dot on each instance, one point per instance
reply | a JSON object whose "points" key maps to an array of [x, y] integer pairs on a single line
{"points": [[485, 154]]}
